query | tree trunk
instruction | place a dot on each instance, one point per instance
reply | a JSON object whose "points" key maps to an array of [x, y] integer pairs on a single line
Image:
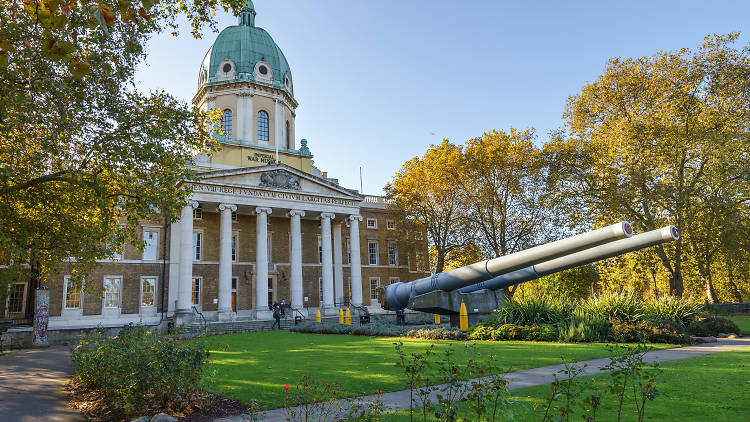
{"points": [[676, 286], [710, 291], [440, 264]]}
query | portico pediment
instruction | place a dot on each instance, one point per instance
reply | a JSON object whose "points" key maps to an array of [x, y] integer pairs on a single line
{"points": [[282, 184]]}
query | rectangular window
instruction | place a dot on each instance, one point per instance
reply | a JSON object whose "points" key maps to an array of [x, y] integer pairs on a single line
{"points": [[372, 223], [374, 284], [320, 291], [418, 260], [117, 255], [392, 253], [16, 298], [196, 291], [73, 294], [349, 284], [148, 291], [234, 216], [392, 280], [390, 224], [372, 252], [198, 213], [112, 292], [348, 252], [234, 284], [197, 241], [234, 248], [149, 249]]}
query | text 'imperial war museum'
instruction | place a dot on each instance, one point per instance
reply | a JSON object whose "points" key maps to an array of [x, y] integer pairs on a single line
{"points": [[262, 224]]}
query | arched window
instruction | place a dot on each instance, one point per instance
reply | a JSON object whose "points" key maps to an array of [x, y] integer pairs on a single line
{"points": [[263, 126], [226, 124], [288, 144]]}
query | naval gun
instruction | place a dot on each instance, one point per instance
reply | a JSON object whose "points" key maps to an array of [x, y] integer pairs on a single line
{"points": [[480, 285]]}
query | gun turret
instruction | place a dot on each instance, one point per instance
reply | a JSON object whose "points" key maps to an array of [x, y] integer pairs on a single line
{"points": [[480, 285]]}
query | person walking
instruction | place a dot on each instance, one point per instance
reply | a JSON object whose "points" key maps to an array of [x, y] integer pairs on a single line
{"points": [[276, 315]]}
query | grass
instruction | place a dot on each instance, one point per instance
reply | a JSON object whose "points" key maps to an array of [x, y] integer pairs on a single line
{"points": [[255, 366], [713, 387], [743, 322]]}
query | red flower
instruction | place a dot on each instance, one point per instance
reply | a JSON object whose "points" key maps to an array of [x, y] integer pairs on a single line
{"points": [[286, 386]]}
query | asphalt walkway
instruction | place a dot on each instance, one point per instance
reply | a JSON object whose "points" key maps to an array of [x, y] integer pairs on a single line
{"points": [[399, 400], [32, 386]]}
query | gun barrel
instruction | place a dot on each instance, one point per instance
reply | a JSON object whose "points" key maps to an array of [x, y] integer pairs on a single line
{"points": [[597, 253], [396, 295]]}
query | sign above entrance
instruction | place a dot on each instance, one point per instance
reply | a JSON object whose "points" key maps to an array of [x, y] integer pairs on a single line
{"points": [[264, 194]]}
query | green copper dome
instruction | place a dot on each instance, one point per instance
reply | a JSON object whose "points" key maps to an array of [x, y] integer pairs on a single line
{"points": [[246, 48]]}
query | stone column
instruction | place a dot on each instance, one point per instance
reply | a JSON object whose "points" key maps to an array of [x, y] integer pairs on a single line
{"points": [[338, 265], [355, 265], [248, 118], [174, 265], [295, 229], [238, 129], [327, 264], [225, 312], [279, 125], [184, 311], [261, 262]]}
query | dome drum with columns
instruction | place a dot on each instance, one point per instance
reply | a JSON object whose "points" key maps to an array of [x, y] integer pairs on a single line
{"points": [[262, 223]]}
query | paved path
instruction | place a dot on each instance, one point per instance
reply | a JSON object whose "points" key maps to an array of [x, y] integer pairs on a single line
{"points": [[32, 386], [399, 400]]}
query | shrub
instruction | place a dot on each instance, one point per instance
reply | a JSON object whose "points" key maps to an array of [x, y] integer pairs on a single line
{"points": [[647, 331], [543, 332], [712, 326], [532, 311], [437, 333], [139, 369], [378, 329], [672, 309], [584, 329], [613, 306], [322, 328]]}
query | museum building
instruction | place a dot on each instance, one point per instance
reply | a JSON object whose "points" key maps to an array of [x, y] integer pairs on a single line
{"points": [[262, 225]]}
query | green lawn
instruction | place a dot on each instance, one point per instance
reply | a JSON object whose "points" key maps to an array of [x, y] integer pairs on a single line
{"points": [[712, 387], [257, 365], [743, 322]]}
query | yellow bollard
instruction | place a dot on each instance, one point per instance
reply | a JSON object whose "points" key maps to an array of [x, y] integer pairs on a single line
{"points": [[463, 318], [341, 316], [317, 315], [348, 317], [437, 319]]}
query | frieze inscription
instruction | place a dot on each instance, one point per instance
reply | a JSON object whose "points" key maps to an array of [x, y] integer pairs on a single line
{"points": [[286, 196]]}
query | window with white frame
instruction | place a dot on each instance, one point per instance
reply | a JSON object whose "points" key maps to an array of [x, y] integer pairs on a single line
{"points": [[372, 223], [149, 249], [195, 293], [198, 213], [197, 244], [148, 291], [349, 285], [390, 224], [234, 248], [392, 253], [320, 290], [73, 294], [374, 293], [263, 126], [117, 254], [234, 216], [392, 280], [226, 124], [112, 291], [418, 259], [16, 298], [320, 250], [372, 252]]}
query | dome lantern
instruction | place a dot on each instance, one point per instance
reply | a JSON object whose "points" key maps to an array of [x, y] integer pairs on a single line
{"points": [[247, 14]]}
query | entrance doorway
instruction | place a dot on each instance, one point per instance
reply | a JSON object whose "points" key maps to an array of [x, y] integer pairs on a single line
{"points": [[270, 292], [234, 294]]}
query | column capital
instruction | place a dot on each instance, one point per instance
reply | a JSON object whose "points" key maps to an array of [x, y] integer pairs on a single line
{"points": [[265, 210], [355, 217], [296, 212], [230, 207], [328, 215], [192, 203]]}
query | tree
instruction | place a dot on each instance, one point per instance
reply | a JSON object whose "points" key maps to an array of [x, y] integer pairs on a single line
{"points": [[426, 192], [503, 181], [84, 155], [652, 136]]}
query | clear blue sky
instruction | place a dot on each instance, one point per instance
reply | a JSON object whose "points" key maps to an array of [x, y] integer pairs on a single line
{"points": [[379, 81]]}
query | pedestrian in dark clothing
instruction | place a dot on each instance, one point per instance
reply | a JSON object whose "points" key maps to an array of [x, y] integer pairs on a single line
{"points": [[276, 315]]}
